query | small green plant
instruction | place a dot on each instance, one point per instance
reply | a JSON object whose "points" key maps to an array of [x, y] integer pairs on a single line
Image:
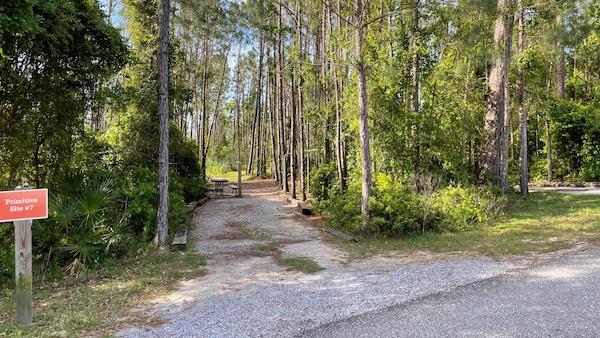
{"points": [[301, 264], [267, 249]]}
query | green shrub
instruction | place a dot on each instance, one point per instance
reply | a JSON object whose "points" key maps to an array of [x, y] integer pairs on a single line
{"points": [[396, 210], [7, 253], [194, 188], [342, 210], [323, 180], [591, 154], [460, 208]]}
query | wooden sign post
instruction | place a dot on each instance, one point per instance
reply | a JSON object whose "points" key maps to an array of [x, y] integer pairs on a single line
{"points": [[22, 206]]}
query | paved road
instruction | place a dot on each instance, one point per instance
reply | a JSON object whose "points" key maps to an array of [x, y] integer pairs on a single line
{"points": [[560, 299]]}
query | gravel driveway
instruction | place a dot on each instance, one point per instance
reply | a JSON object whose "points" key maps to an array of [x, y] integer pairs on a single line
{"points": [[246, 293]]}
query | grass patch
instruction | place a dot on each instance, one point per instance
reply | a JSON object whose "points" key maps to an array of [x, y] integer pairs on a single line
{"points": [[265, 249], [301, 264], [98, 303], [545, 222], [231, 176]]}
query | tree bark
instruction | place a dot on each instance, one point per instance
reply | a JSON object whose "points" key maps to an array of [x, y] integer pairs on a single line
{"points": [[257, 107], [293, 136], [415, 88], [301, 103], [494, 114], [360, 13], [237, 125], [504, 141], [218, 101], [204, 115], [273, 124], [561, 72], [523, 154], [282, 147], [339, 125], [162, 215]]}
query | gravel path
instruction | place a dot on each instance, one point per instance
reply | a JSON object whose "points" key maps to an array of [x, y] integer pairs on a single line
{"points": [[560, 299], [246, 293], [569, 190]]}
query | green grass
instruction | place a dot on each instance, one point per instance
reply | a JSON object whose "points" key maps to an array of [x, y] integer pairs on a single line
{"points": [[231, 176], [263, 249], [97, 303], [545, 222], [300, 264]]}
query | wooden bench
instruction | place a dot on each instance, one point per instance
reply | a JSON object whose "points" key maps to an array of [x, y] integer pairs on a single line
{"points": [[234, 189], [304, 209], [180, 238]]}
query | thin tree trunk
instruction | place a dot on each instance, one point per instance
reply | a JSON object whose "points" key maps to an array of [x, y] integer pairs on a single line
{"points": [[282, 147], [466, 114], [415, 88], [339, 126], [162, 215], [504, 141], [273, 124], [237, 124], [300, 119], [523, 154], [204, 116], [293, 135], [218, 101], [561, 72], [548, 148], [359, 22], [257, 107]]}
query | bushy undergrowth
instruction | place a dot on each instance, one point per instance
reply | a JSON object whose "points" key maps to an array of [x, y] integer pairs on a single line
{"points": [[397, 210], [103, 212]]}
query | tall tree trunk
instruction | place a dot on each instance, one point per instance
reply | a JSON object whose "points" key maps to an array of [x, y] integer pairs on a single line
{"points": [[300, 119], [340, 159], [162, 214], [218, 101], [293, 135], [494, 114], [466, 114], [560, 93], [273, 124], [561, 72], [360, 13], [204, 115], [237, 124], [282, 147], [504, 141], [548, 147], [415, 88], [523, 154], [257, 107]]}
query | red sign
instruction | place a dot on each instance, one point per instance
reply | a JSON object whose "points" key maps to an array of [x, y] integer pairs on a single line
{"points": [[20, 205]]}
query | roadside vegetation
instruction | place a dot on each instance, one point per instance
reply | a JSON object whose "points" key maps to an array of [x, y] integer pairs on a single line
{"points": [[91, 139], [300, 264], [98, 302], [544, 222]]}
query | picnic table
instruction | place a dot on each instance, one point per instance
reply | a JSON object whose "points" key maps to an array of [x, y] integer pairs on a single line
{"points": [[219, 185]]}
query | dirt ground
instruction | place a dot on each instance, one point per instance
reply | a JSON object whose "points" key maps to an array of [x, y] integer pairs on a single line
{"points": [[247, 292]]}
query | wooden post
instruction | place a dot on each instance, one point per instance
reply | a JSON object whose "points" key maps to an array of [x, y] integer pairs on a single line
{"points": [[23, 272], [239, 177]]}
